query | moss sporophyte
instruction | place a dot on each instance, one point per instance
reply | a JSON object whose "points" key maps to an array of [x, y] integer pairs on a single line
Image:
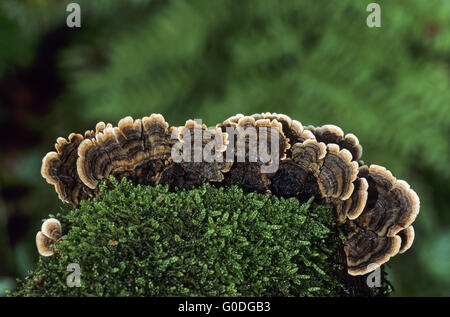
{"points": [[136, 240]]}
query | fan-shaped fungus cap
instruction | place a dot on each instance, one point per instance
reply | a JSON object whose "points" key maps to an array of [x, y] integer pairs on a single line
{"points": [[392, 205], [407, 236], [354, 206], [337, 173], [248, 134], [366, 251], [43, 244], [120, 150], [199, 154], [309, 155], [59, 169], [51, 228], [292, 129], [50, 234], [330, 133], [375, 208], [157, 141]]}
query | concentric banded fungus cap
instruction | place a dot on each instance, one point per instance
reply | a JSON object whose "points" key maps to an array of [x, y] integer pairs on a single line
{"points": [[376, 209], [309, 155], [386, 220], [197, 157], [391, 207], [59, 169], [52, 229], [249, 135], [354, 206], [118, 151], [366, 251], [337, 173], [50, 234], [292, 129], [334, 174], [330, 133]]}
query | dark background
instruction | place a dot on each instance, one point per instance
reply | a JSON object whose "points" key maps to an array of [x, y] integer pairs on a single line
{"points": [[316, 61]]}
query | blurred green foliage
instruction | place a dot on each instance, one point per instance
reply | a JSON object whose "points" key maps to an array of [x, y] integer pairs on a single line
{"points": [[315, 61]]}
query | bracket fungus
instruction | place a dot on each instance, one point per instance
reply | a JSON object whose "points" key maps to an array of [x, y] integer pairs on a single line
{"points": [[50, 234], [269, 152]]}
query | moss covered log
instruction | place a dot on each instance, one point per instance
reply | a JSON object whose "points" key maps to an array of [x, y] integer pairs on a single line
{"points": [[148, 241]]}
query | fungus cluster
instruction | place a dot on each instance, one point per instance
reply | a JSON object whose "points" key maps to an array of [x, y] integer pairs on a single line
{"points": [[49, 235], [374, 209]]}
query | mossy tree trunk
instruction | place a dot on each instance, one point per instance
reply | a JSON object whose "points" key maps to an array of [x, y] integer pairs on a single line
{"points": [[208, 241]]}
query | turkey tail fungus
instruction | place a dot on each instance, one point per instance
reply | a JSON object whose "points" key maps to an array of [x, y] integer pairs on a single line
{"points": [[374, 209]]}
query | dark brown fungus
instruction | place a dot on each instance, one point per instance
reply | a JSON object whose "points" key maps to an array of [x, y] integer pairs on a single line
{"points": [[337, 173], [357, 201], [330, 133], [374, 208], [254, 150], [197, 157], [137, 148], [309, 155], [366, 251], [59, 169], [292, 129], [391, 207]]}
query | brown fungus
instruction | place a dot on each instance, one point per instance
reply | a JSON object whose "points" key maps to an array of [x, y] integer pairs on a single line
{"points": [[49, 235], [366, 251], [292, 129], [330, 133], [52, 229], [374, 208], [136, 149], [391, 206], [59, 169], [337, 173], [255, 145], [197, 157]]}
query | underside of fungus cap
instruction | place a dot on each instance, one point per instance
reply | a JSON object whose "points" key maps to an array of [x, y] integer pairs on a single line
{"points": [[391, 206], [43, 244], [330, 133]]}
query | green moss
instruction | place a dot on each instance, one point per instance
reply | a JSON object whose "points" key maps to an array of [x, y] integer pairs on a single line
{"points": [[203, 242]]}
